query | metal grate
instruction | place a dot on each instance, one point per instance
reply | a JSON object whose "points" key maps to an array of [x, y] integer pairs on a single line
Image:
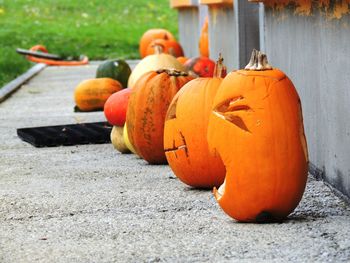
{"points": [[71, 134]]}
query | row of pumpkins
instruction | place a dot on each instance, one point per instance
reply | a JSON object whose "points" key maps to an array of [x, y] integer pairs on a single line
{"points": [[242, 132]]}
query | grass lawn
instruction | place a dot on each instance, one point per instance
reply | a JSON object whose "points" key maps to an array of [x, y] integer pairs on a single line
{"points": [[98, 29]]}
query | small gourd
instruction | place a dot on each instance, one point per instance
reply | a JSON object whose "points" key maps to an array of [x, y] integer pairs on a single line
{"points": [[92, 94]]}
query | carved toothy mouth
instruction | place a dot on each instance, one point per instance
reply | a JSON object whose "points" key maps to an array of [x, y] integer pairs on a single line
{"points": [[182, 147], [218, 193]]}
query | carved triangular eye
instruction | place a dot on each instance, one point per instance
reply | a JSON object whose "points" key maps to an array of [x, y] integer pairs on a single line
{"points": [[228, 109], [232, 105], [172, 110]]}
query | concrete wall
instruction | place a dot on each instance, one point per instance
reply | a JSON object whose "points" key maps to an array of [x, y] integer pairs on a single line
{"points": [[234, 32], [189, 30], [314, 52], [222, 33]]}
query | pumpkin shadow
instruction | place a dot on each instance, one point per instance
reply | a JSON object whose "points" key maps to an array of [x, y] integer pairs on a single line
{"points": [[200, 190], [155, 164], [305, 217]]}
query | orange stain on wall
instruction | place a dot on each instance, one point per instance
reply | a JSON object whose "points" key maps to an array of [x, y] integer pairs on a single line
{"points": [[304, 7]]}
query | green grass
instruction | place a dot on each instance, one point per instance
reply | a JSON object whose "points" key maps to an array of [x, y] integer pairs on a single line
{"points": [[98, 29]]}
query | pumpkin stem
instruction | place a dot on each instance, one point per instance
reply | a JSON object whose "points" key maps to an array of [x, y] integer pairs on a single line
{"points": [[252, 60], [172, 52], [158, 48], [220, 69], [258, 61], [172, 72]]}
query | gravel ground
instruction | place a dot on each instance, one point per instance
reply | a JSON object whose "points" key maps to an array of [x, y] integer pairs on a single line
{"points": [[91, 204]]}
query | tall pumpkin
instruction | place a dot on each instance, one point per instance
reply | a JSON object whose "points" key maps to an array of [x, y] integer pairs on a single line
{"points": [[185, 133], [154, 62], [204, 39], [148, 104], [256, 126]]}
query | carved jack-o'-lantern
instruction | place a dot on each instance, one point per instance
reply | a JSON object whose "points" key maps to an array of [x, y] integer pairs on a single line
{"points": [[148, 104], [257, 128], [185, 133]]}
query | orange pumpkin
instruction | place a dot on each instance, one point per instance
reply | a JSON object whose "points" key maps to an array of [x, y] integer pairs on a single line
{"points": [[256, 126], [182, 60], [171, 47], [148, 104], [150, 35], [92, 94], [185, 133], [204, 39]]}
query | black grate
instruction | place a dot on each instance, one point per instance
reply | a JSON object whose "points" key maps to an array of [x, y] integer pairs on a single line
{"points": [[71, 134], [76, 109]]}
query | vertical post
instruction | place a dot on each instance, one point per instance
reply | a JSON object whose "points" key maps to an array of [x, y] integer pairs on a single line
{"points": [[233, 30], [189, 27], [262, 27], [203, 13], [247, 24], [221, 30]]}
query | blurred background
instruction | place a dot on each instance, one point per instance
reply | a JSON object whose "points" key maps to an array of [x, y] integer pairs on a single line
{"points": [[98, 29]]}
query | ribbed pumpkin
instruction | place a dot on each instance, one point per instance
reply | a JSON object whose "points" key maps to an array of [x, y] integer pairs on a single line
{"points": [[204, 39], [169, 47], [150, 35], [118, 140], [154, 62], [148, 104], [185, 133], [93, 93], [257, 128]]}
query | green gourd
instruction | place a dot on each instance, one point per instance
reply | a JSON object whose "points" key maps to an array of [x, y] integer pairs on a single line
{"points": [[115, 69]]}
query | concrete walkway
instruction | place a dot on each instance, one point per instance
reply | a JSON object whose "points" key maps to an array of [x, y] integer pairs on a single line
{"points": [[91, 204]]}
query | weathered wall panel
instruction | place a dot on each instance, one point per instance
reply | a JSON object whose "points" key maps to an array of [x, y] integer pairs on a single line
{"points": [[222, 35], [314, 52], [234, 32], [189, 30], [247, 23]]}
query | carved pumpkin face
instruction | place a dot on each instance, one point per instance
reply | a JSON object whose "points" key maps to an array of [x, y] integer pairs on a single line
{"points": [[185, 132], [256, 126], [148, 104]]}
